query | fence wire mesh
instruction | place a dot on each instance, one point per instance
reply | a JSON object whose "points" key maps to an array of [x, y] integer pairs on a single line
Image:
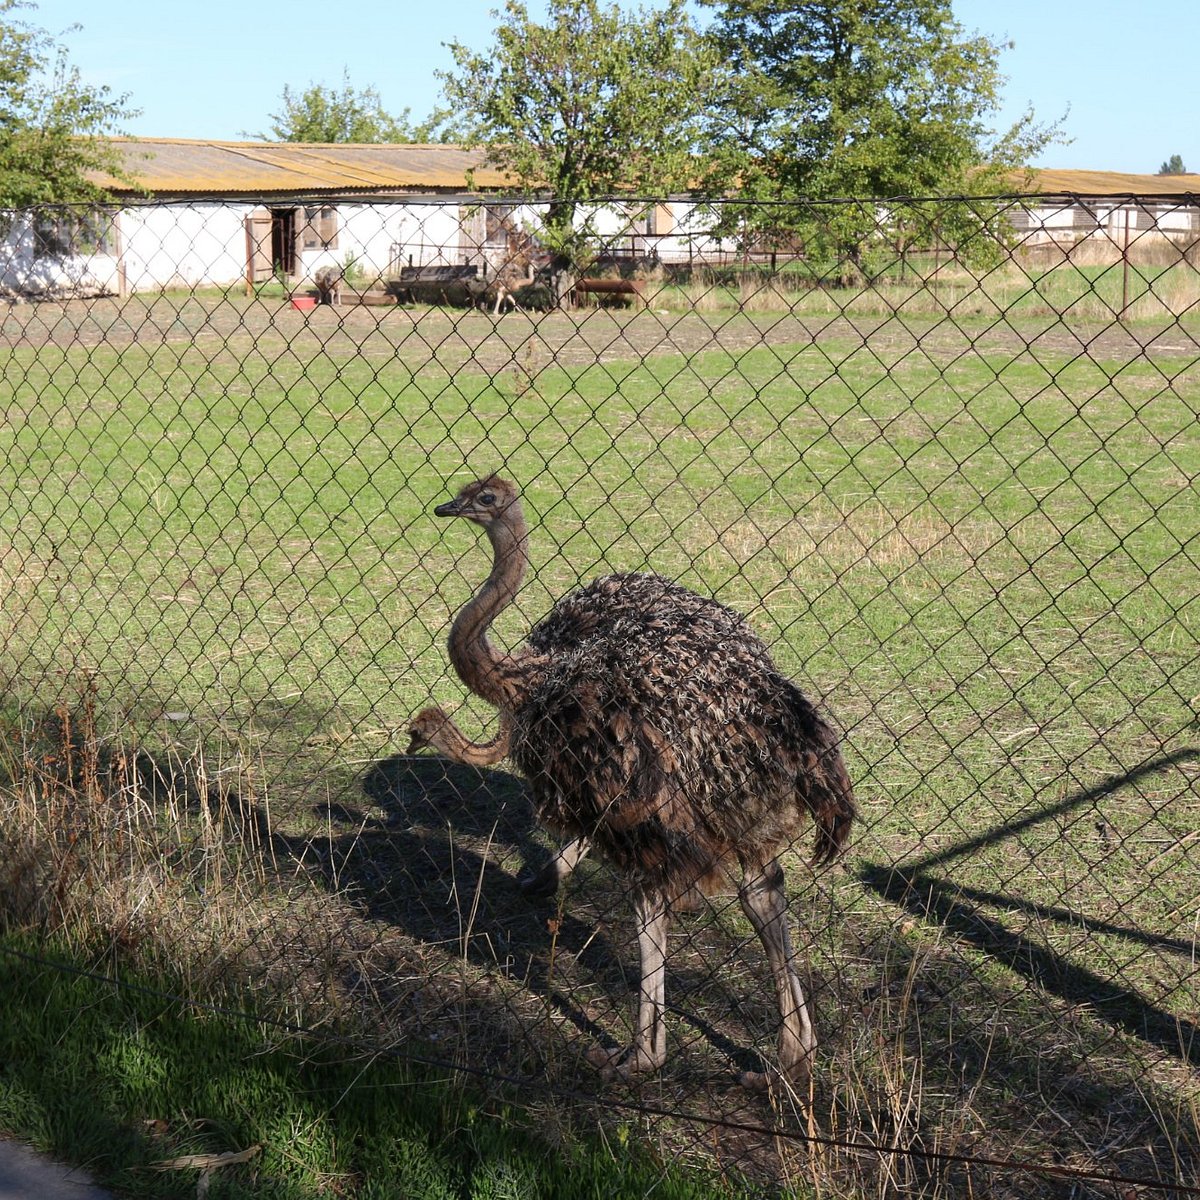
{"points": [[941, 455]]}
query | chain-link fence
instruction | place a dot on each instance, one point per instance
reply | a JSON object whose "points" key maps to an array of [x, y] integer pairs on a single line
{"points": [[942, 456]]}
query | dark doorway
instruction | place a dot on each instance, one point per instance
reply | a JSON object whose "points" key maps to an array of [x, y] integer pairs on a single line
{"points": [[283, 240]]}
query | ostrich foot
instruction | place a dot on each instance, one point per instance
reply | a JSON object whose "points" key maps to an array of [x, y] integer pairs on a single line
{"points": [[538, 885], [623, 1063], [795, 1079]]}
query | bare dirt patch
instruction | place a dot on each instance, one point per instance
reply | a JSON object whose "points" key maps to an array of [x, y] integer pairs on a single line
{"points": [[457, 339]]}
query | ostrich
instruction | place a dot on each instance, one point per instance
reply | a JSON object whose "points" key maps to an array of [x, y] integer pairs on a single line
{"points": [[652, 725]]}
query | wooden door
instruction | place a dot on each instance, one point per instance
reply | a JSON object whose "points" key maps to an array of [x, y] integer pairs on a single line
{"points": [[258, 247]]}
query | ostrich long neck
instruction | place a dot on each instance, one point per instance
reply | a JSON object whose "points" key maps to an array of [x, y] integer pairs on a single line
{"points": [[495, 677], [449, 740]]}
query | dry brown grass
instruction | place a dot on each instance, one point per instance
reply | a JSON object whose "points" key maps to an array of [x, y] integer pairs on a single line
{"points": [[1103, 249], [143, 857]]}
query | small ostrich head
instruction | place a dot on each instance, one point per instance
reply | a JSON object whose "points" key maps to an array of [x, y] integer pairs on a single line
{"points": [[484, 502], [425, 729]]}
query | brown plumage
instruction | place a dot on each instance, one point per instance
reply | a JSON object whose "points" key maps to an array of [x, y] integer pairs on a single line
{"points": [[652, 724]]}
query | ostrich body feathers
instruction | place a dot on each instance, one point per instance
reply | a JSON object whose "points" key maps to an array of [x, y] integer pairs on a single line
{"points": [[658, 726]]}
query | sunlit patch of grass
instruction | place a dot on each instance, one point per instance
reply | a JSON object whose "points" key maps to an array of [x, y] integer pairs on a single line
{"points": [[158, 1098]]}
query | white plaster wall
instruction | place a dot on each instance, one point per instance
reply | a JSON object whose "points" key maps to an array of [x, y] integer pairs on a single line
{"points": [[690, 235], [23, 273], [424, 234], [184, 245], [370, 234], [203, 244]]}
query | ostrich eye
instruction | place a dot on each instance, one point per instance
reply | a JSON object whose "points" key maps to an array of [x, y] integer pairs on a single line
{"points": [[487, 498]]}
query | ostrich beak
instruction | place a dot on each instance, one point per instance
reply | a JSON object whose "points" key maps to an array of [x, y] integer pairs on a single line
{"points": [[449, 509]]}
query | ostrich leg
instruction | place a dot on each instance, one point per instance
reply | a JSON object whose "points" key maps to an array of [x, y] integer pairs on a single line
{"points": [[649, 1049], [545, 882], [539, 884], [764, 901]]}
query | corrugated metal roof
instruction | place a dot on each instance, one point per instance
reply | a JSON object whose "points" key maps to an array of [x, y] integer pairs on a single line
{"points": [[1113, 183], [175, 166], [180, 167]]}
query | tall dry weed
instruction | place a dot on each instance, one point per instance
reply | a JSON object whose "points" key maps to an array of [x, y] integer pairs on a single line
{"points": [[115, 850]]}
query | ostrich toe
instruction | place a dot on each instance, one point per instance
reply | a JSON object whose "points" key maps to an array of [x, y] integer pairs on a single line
{"points": [[623, 1062]]}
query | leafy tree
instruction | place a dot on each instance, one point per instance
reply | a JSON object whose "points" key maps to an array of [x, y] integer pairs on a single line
{"points": [[1173, 166], [345, 114], [54, 128], [861, 98], [592, 103]]}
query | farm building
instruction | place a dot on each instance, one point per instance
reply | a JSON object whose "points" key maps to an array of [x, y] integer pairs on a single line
{"points": [[218, 213], [1071, 206]]}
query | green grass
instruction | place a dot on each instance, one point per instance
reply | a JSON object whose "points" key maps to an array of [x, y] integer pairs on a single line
{"points": [[264, 525], [124, 1080], [980, 547]]}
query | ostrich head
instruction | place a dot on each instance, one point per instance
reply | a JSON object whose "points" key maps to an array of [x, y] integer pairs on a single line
{"points": [[426, 730], [485, 502]]}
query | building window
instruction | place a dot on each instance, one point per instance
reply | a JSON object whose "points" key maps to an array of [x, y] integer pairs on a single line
{"points": [[60, 233], [320, 228]]}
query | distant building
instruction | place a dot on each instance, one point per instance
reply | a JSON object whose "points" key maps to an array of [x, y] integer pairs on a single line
{"points": [[1073, 205], [219, 213]]}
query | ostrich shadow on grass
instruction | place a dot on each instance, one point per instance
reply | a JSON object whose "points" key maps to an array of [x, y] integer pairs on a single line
{"points": [[484, 839], [435, 850]]}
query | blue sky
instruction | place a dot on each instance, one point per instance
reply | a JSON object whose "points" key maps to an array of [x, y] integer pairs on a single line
{"points": [[217, 69]]}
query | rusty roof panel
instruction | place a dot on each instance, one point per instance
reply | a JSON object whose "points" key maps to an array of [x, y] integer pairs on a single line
{"points": [[174, 166], [1112, 183], [178, 167]]}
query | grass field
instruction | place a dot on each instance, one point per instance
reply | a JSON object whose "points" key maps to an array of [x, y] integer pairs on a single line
{"points": [[977, 540]]}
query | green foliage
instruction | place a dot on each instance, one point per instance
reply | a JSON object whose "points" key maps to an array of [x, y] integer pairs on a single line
{"points": [[1173, 166], [346, 114], [846, 98], [594, 102], [53, 126]]}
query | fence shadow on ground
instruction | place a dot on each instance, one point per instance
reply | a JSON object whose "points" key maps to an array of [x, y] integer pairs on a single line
{"points": [[1168, 1127], [955, 907]]}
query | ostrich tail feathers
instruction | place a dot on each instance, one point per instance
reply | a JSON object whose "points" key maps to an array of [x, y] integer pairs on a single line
{"points": [[833, 821], [823, 784]]}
